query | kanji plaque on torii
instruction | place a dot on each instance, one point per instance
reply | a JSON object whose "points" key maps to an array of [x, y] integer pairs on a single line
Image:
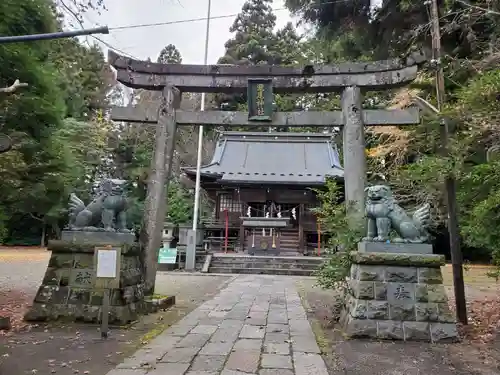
{"points": [[348, 79]]}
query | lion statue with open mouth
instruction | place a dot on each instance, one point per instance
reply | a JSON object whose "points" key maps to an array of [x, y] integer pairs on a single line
{"points": [[383, 214]]}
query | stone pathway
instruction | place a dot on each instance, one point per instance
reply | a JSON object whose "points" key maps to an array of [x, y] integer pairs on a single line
{"points": [[257, 325]]}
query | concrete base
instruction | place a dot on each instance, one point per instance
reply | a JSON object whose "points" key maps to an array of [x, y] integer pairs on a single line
{"points": [[395, 248], [191, 250]]}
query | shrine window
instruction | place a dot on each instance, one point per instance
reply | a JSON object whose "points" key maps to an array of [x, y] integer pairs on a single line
{"points": [[226, 202]]}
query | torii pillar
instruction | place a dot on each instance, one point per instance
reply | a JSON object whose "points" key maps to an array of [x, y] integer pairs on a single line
{"points": [[353, 138]]}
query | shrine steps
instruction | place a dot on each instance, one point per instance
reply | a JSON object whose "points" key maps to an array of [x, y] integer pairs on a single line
{"points": [[264, 265], [289, 241]]}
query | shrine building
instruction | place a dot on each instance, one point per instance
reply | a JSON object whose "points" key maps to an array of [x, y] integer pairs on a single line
{"points": [[263, 188]]}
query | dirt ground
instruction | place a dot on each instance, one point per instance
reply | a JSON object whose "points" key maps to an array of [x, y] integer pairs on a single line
{"points": [[477, 354], [78, 349]]}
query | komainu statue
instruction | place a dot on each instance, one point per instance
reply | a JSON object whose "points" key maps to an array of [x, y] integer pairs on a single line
{"points": [[107, 212], [384, 214]]}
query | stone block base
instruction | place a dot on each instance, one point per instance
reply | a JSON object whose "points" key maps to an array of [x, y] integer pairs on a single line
{"points": [[396, 330], [397, 297], [69, 290]]}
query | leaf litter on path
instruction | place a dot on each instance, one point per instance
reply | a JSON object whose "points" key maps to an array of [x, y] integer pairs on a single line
{"points": [[14, 304]]}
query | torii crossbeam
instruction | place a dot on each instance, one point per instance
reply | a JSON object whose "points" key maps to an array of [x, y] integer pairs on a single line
{"points": [[349, 79]]}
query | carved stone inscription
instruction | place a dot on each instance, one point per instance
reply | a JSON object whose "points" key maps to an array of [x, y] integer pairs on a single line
{"points": [[400, 292]]}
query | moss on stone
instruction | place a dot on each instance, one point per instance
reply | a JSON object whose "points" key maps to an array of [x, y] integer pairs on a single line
{"points": [[416, 260], [59, 246]]}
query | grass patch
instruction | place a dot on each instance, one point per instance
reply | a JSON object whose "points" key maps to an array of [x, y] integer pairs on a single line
{"points": [[473, 275], [324, 344]]}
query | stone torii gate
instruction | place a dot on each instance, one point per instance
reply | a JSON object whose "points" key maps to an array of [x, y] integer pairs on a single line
{"points": [[348, 79]]}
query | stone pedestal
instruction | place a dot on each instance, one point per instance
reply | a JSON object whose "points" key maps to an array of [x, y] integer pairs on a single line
{"points": [[395, 248], [68, 289], [397, 297]]}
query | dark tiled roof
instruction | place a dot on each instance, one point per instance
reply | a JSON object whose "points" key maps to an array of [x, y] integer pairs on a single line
{"points": [[287, 158]]}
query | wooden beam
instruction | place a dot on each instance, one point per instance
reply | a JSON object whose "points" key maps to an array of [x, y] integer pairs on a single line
{"points": [[377, 117], [121, 62], [316, 83]]}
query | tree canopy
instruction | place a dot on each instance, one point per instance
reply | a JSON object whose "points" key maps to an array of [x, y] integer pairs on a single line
{"points": [[63, 141]]}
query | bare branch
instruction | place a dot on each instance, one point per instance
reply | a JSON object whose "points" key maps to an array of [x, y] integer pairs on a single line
{"points": [[10, 89]]}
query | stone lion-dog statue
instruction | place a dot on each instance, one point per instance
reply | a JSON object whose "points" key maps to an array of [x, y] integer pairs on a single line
{"points": [[384, 213], [107, 212]]}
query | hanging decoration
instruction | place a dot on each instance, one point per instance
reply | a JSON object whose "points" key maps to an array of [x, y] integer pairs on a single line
{"points": [[249, 212], [264, 211], [253, 237], [279, 212], [294, 213]]}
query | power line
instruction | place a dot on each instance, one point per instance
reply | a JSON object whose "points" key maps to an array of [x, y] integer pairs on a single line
{"points": [[189, 20], [114, 48]]}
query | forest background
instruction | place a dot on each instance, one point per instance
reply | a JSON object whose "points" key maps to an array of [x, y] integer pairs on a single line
{"points": [[64, 141]]}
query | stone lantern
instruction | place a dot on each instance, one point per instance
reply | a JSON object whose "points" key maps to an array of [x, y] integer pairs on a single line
{"points": [[168, 234]]}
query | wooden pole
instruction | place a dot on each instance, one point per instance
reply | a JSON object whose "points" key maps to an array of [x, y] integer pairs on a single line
{"points": [[450, 182], [319, 237], [226, 214]]}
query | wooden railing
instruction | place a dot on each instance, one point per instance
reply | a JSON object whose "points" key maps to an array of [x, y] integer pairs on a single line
{"points": [[212, 222]]}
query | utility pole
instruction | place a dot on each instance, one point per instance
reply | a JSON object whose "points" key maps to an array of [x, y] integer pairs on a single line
{"points": [[193, 235], [450, 186]]}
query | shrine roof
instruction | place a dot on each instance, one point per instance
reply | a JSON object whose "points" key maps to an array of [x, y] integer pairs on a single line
{"points": [[272, 158]]}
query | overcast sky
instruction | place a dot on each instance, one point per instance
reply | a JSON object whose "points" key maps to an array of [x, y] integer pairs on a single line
{"points": [[189, 37]]}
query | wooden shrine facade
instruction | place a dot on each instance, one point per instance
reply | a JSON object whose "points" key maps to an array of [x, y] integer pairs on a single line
{"points": [[348, 79], [256, 175]]}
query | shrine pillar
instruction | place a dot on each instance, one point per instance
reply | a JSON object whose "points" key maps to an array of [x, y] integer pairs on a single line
{"points": [[354, 152]]}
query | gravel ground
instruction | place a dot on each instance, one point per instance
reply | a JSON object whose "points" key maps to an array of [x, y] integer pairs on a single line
{"points": [[78, 349], [22, 269]]}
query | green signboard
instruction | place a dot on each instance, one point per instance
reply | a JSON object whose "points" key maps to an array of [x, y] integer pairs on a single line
{"points": [[167, 256]]}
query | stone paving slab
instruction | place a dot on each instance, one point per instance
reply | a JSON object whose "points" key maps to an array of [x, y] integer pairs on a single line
{"points": [[256, 326]]}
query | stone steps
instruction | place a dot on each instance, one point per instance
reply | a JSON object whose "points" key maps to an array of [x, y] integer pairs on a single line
{"points": [[299, 266], [262, 271], [305, 266]]}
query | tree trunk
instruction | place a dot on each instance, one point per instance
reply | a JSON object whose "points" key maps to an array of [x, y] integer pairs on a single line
{"points": [[44, 232]]}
